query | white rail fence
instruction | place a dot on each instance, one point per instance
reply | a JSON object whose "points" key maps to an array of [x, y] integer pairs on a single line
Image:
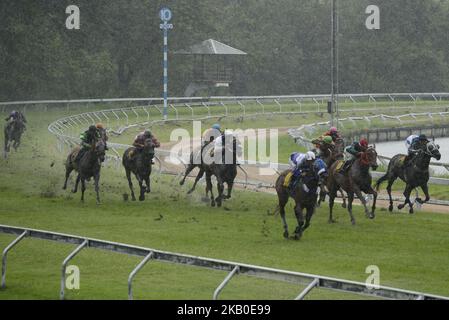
{"points": [[234, 268]]}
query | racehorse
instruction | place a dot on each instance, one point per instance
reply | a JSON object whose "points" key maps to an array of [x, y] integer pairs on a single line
{"points": [[415, 174], [140, 165], [13, 132], [357, 180], [89, 166], [223, 172], [329, 155], [304, 194]]}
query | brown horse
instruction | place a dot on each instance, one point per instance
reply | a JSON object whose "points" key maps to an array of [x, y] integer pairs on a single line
{"points": [[330, 154], [88, 166], [139, 163], [304, 194], [355, 181]]}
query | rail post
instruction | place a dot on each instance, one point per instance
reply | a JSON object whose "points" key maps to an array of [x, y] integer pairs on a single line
{"points": [[134, 272], [64, 266], [225, 282], [5, 255]]}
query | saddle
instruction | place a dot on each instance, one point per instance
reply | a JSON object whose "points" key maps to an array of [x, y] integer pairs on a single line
{"points": [[402, 160], [132, 153], [74, 154], [340, 165], [287, 179]]}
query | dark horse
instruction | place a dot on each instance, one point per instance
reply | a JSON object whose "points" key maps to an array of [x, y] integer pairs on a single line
{"points": [[355, 181], [224, 172], [89, 166], [140, 165], [305, 196], [415, 175], [13, 132]]}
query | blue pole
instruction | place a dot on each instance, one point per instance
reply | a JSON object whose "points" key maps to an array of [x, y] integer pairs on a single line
{"points": [[165, 70]]}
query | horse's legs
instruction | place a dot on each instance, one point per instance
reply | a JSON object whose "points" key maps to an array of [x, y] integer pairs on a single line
{"points": [[68, 171], [75, 188], [209, 188], [97, 187], [407, 192], [130, 183], [425, 189], [16, 144], [373, 209], [83, 188], [220, 188], [390, 183], [230, 184], [142, 189], [189, 169], [321, 198], [343, 205], [147, 182], [332, 195], [309, 214], [359, 194], [350, 200], [283, 199], [300, 219], [198, 177]]}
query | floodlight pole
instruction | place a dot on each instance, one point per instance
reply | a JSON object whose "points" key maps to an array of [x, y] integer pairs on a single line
{"points": [[334, 68], [165, 15]]}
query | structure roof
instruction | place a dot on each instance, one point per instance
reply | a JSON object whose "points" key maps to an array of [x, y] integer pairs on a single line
{"points": [[212, 47]]}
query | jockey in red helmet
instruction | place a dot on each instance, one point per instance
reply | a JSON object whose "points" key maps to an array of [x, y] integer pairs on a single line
{"points": [[354, 151]]}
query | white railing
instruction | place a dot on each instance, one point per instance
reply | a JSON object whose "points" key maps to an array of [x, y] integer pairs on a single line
{"points": [[234, 268], [121, 119], [354, 97]]}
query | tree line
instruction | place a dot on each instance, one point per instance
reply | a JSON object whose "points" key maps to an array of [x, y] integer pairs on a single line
{"points": [[117, 51]]}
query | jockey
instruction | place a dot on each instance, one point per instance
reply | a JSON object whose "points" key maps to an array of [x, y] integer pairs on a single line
{"points": [[17, 115], [211, 134], [416, 143], [324, 143], [299, 162], [333, 133], [354, 151], [221, 142], [139, 142], [409, 141], [88, 137]]}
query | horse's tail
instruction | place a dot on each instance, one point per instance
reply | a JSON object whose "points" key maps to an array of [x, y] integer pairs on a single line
{"points": [[381, 180], [386, 176]]}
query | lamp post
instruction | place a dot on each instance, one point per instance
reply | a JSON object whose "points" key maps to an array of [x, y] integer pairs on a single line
{"points": [[165, 14], [334, 68]]}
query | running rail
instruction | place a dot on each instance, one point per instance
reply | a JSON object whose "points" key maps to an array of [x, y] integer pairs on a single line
{"points": [[233, 268]]}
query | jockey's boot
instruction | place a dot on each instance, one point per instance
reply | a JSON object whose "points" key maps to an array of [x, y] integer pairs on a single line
{"points": [[408, 161], [347, 165], [79, 156], [296, 174]]}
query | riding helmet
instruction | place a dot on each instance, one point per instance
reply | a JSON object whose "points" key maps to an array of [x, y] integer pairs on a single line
{"points": [[364, 143], [423, 137], [327, 139], [310, 156]]}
